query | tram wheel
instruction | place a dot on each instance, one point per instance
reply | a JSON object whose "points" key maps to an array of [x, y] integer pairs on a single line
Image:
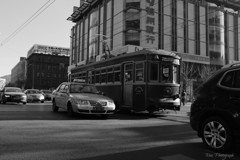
{"points": [[151, 109]]}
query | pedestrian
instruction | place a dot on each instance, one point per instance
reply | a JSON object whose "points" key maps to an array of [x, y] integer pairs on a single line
{"points": [[183, 95]]}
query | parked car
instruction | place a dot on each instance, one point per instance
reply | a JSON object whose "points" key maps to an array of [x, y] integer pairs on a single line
{"points": [[34, 95], [47, 94], [215, 113], [81, 98], [13, 94]]}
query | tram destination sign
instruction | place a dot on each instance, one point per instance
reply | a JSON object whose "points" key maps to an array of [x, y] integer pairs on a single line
{"points": [[234, 4]]}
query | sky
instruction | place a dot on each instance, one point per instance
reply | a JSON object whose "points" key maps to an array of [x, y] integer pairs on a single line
{"points": [[50, 27]]}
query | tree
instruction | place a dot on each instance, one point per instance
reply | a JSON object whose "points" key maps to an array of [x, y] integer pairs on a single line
{"points": [[188, 73], [205, 71]]}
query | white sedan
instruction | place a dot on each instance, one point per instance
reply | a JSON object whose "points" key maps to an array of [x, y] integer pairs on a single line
{"points": [[81, 98]]}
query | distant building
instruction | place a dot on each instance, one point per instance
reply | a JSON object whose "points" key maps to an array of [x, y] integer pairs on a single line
{"points": [[46, 67], [7, 78], [18, 73]]}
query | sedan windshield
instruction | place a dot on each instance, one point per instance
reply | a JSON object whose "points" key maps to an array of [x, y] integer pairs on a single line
{"points": [[13, 90], [79, 88], [34, 92]]}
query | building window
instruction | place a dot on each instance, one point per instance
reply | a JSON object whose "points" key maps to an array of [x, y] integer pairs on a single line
{"points": [[216, 36], [93, 35], [231, 37], [191, 29], [109, 24], [81, 41], [102, 24], [180, 26], [167, 25], [132, 14], [85, 39], [203, 33], [133, 37]]}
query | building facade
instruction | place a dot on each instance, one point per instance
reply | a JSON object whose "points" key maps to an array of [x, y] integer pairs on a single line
{"points": [[18, 73], [46, 67], [204, 33]]}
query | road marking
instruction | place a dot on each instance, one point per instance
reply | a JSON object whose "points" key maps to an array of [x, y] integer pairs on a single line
{"points": [[174, 157]]}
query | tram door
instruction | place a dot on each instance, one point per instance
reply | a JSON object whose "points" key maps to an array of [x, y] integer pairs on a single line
{"points": [[128, 84]]}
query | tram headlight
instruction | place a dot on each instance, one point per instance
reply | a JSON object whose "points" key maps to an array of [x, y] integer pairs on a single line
{"points": [[168, 90]]}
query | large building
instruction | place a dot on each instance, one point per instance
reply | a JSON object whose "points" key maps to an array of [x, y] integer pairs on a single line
{"points": [[201, 32], [18, 73], [46, 67]]}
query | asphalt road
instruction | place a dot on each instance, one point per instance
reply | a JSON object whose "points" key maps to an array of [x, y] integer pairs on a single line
{"points": [[33, 132]]}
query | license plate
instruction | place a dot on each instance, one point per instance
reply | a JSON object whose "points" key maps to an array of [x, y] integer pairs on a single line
{"points": [[98, 108]]}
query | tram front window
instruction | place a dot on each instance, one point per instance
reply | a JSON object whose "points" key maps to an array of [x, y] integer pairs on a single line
{"points": [[176, 71], [166, 76]]}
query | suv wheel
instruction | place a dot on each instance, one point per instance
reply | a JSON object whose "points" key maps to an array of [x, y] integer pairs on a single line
{"points": [[216, 134]]}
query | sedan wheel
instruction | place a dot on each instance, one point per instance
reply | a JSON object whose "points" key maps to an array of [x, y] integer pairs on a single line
{"points": [[216, 134], [54, 107], [70, 110]]}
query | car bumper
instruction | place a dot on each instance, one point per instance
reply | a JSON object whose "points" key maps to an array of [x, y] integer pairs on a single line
{"points": [[96, 110], [35, 100], [15, 99], [83, 111]]}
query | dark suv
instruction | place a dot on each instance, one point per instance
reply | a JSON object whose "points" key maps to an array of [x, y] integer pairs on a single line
{"points": [[215, 112]]}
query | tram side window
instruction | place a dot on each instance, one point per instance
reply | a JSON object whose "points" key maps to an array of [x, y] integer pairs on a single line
{"points": [[166, 77], [110, 75], [90, 77], [117, 74], [103, 76], [153, 71], [93, 77], [97, 77], [176, 77], [139, 71]]}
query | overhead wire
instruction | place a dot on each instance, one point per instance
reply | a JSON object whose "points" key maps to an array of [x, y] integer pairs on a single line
{"points": [[28, 21]]}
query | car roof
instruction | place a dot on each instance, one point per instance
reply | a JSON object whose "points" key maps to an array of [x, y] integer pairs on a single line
{"points": [[32, 89], [78, 83], [13, 87]]}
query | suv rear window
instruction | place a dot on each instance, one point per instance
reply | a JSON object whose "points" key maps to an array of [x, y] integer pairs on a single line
{"points": [[237, 79], [227, 80]]}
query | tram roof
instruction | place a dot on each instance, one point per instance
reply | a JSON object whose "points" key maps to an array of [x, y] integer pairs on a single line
{"points": [[140, 52], [161, 52], [150, 52]]}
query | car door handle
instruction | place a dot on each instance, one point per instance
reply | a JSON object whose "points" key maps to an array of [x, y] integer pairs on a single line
{"points": [[235, 98]]}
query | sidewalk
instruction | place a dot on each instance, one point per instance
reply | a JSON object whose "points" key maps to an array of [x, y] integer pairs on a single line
{"points": [[184, 111]]}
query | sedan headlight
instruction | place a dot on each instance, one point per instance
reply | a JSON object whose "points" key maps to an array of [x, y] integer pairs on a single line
{"points": [[42, 97], [82, 102], [7, 96]]}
